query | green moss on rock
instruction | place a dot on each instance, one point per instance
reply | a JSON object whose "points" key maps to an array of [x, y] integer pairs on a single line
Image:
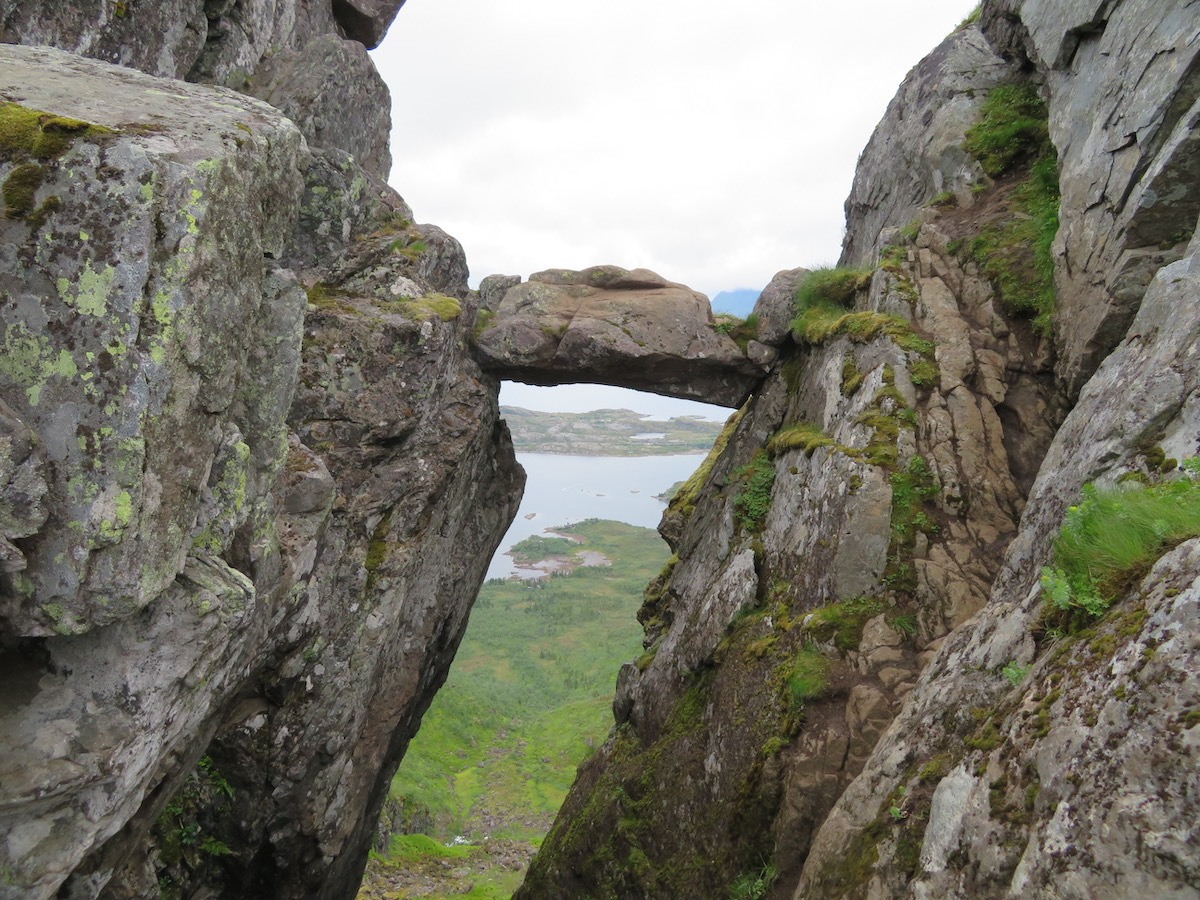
{"points": [[684, 501], [20, 189], [32, 134]]}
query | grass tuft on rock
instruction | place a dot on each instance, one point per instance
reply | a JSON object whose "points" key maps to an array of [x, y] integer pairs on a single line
{"points": [[1112, 538], [684, 500], [1015, 255], [753, 501], [843, 622], [800, 436], [823, 297], [1012, 128], [806, 677]]}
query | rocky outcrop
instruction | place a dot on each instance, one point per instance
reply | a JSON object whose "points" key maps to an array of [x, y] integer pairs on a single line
{"points": [[610, 326], [332, 91], [916, 153], [252, 478], [219, 42], [126, 325], [307, 59], [1093, 749], [849, 673], [251, 471], [1124, 86]]}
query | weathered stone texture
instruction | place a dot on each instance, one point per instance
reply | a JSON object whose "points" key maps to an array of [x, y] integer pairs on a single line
{"points": [[151, 349], [127, 324], [1124, 93], [183, 575], [1082, 776], [221, 41], [916, 150], [309, 60], [161, 38], [333, 92], [610, 326]]}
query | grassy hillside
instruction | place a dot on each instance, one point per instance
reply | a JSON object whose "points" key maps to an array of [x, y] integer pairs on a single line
{"points": [[528, 698]]}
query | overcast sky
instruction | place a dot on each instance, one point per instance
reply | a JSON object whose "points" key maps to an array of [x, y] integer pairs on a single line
{"points": [[713, 142]]}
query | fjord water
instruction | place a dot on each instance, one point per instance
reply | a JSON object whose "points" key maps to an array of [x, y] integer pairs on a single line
{"points": [[563, 490]]}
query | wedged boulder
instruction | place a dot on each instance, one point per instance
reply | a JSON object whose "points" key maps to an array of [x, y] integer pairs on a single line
{"points": [[776, 307], [611, 326], [136, 272], [366, 21]]}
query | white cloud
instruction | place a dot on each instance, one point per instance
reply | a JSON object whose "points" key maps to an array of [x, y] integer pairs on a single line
{"points": [[712, 142]]}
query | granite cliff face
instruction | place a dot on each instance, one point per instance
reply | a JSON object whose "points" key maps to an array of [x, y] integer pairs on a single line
{"points": [[252, 475], [253, 470]]}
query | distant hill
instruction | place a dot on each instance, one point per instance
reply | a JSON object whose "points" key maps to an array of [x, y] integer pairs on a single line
{"points": [[738, 303], [607, 432]]}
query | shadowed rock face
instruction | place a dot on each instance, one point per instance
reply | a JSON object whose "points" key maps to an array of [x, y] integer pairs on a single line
{"points": [[366, 21], [611, 326]]}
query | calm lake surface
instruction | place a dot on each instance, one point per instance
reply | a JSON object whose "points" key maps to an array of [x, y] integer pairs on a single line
{"points": [[563, 490]]}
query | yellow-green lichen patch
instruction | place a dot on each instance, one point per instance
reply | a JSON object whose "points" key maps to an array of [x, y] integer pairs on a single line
{"points": [[29, 361], [112, 513], [229, 494], [90, 291]]}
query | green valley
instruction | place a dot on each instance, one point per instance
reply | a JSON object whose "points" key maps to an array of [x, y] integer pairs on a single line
{"points": [[527, 700]]}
